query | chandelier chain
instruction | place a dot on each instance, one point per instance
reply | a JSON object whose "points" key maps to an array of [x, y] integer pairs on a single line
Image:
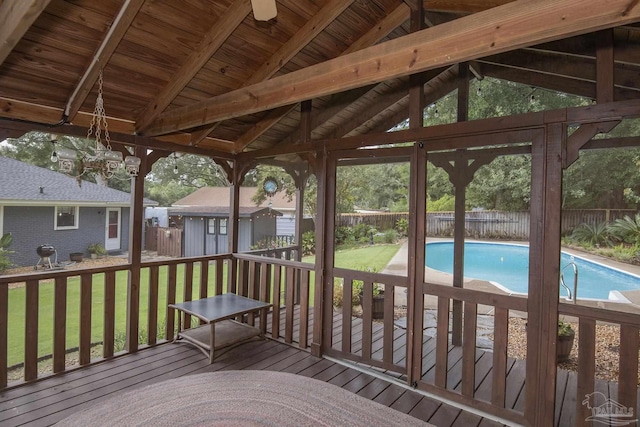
{"points": [[99, 121]]}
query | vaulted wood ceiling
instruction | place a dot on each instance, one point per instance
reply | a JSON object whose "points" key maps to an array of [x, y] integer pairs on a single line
{"points": [[206, 74]]}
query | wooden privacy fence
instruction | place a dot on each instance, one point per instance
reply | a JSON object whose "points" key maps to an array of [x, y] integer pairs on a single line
{"points": [[169, 241], [151, 237], [485, 224]]}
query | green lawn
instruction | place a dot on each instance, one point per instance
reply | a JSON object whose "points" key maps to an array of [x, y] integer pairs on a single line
{"points": [[373, 257]]}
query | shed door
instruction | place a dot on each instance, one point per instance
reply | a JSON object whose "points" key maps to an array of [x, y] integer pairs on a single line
{"points": [[112, 238]]}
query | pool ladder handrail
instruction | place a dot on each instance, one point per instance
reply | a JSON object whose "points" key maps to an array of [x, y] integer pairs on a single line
{"points": [[572, 296]]}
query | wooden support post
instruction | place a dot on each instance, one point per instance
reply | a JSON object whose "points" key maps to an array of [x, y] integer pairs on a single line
{"points": [[417, 216], [305, 121], [460, 181], [415, 295], [232, 231], [322, 308], [604, 67], [544, 274], [136, 217]]}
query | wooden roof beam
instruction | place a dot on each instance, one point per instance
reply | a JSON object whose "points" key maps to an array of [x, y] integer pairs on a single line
{"points": [[112, 39], [16, 17], [462, 6], [295, 44], [226, 24], [389, 23], [508, 27]]}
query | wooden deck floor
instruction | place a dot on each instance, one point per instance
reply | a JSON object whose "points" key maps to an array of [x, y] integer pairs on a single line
{"points": [[50, 400]]}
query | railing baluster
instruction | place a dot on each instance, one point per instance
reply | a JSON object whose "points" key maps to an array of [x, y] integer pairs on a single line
{"points": [[204, 279], [219, 276], [253, 275], [469, 348], [275, 318], [367, 319], [387, 338], [265, 285], [59, 323], [442, 342], [171, 299], [628, 385], [500, 340], [188, 291], [31, 331], [4, 332], [108, 334], [288, 332], [86, 280], [152, 319], [304, 309], [586, 367], [347, 312]]}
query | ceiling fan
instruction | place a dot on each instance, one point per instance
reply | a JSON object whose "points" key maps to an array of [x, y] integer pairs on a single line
{"points": [[264, 10]]}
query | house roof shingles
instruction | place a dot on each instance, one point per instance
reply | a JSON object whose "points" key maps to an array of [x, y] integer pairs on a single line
{"points": [[21, 182]]}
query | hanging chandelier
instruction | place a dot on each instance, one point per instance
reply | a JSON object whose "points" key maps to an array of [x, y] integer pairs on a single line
{"points": [[103, 161]]}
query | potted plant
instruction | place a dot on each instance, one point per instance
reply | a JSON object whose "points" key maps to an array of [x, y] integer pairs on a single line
{"points": [[566, 335], [377, 309], [96, 249]]}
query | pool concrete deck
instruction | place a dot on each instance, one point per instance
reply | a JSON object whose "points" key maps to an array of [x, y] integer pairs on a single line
{"points": [[398, 266]]}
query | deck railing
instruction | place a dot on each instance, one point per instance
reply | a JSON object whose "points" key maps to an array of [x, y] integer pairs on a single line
{"points": [[624, 395], [462, 384], [357, 339], [52, 313]]}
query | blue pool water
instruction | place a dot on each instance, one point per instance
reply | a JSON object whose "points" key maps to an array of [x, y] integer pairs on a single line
{"points": [[508, 265]]}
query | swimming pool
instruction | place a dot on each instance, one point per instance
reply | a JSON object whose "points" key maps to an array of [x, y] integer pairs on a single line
{"points": [[508, 265]]}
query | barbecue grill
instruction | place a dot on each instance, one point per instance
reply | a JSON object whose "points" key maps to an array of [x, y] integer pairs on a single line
{"points": [[45, 252]]}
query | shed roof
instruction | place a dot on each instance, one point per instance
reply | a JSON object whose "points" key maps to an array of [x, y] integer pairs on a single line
{"points": [[219, 197]]}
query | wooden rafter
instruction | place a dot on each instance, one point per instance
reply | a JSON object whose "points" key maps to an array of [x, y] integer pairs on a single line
{"points": [[310, 30], [109, 44], [378, 32], [504, 28], [211, 42], [16, 17], [295, 44]]}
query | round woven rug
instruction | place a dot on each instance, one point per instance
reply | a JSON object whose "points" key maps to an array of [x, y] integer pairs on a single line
{"points": [[240, 398]]}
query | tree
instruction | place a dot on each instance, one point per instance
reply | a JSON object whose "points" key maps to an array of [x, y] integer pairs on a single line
{"points": [[36, 148]]}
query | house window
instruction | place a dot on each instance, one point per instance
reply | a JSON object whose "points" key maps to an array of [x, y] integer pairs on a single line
{"points": [[223, 226], [66, 218], [211, 226]]}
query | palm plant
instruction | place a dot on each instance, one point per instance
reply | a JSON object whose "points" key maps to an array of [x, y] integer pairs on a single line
{"points": [[627, 229], [593, 234]]}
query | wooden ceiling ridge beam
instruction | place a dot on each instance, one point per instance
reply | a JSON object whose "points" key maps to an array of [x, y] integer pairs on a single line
{"points": [[295, 44], [112, 39], [462, 6], [16, 17], [211, 42], [375, 34], [508, 27]]}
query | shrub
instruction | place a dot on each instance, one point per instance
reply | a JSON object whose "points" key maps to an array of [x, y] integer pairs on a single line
{"points": [[309, 243], [5, 242], [445, 203], [344, 234], [627, 229], [96, 248], [402, 226], [597, 234], [390, 236], [363, 232]]}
